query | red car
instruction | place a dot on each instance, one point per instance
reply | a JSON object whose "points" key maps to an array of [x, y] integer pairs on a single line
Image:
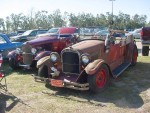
{"points": [[89, 64], [33, 50]]}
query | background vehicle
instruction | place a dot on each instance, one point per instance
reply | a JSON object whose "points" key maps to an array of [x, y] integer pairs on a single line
{"points": [[136, 33], [145, 40], [34, 50], [88, 64], [60, 30], [6, 45], [28, 35]]}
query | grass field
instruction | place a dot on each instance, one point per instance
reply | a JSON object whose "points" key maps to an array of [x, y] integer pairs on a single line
{"points": [[130, 93]]}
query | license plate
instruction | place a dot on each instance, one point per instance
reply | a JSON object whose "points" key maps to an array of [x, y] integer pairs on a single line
{"points": [[57, 83]]}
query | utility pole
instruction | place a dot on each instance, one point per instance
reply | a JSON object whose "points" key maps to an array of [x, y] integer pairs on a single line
{"points": [[112, 10]]}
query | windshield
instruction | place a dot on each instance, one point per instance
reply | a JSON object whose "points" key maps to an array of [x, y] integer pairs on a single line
{"points": [[27, 32], [90, 33], [53, 30]]}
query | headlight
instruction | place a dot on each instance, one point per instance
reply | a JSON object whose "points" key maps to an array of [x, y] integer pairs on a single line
{"points": [[54, 57], [85, 59], [33, 50], [18, 50]]}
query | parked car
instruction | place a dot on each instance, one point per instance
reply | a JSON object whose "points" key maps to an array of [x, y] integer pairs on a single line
{"points": [[60, 30], [36, 49], [28, 35], [145, 40], [89, 64], [6, 45], [136, 33]]}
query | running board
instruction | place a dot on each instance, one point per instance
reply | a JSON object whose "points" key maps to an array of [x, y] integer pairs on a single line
{"points": [[117, 71]]}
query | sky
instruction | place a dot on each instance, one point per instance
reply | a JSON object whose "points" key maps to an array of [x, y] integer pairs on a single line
{"points": [[132, 7]]}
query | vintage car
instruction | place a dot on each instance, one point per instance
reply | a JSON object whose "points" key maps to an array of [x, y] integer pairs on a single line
{"points": [[89, 64], [34, 50], [6, 45]]}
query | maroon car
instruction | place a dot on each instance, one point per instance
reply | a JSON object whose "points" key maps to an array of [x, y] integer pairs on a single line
{"points": [[33, 50], [90, 63]]}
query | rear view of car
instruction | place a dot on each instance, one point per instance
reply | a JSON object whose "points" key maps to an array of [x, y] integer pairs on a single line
{"points": [[145, 40]]}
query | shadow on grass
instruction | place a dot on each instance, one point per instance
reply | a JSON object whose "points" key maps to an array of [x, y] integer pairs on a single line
{"points": [[8, 70], [123, 92], [13, 101]]}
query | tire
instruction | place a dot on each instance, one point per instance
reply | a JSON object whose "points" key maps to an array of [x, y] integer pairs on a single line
{"points": [[145, 50], [13, 64], [43, 72], [134, 56], [100, 80]]}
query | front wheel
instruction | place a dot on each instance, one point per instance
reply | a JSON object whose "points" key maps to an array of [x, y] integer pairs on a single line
{"points": [[100, 80], [43, 72], [13, 63]]}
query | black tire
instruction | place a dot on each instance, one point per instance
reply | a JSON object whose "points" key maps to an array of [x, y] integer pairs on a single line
{"points": [[100, 80], [13, 64], [145, 50], [43, 72], [134, 56]]}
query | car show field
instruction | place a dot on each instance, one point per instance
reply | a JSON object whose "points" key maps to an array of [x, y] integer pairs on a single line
{"points": [[128, 93]]}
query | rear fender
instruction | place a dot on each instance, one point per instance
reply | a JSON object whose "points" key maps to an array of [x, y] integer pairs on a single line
{"points": [[42, 54], [92, 67]]}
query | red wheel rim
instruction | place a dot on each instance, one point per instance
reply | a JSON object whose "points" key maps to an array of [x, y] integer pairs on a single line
{"points": [[134, 56], [101, 78]]}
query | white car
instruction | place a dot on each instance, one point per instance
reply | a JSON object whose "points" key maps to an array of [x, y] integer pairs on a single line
{"points": [[136, 33]]}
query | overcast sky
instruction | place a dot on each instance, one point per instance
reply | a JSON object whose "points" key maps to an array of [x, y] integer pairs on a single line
{"points": [[132, 7]]}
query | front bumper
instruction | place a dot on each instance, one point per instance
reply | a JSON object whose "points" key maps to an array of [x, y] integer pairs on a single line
{"points": [[145, 43], [62, 83]]}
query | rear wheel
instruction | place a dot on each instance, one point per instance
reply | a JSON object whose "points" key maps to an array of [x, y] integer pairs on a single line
{"points": [[145, 50], [134, 56], [43, 72], [13, 64], [100, 80]]}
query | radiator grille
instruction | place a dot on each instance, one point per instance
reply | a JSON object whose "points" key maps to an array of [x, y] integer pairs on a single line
{"points": [[71, 62], [27, 55]]}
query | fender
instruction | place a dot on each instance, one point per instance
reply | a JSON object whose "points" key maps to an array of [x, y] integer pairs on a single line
{"points": [[92, 67], [12, 54], [42, 54], [44, 61]]}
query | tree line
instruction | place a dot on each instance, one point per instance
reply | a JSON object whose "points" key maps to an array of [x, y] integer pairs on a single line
{"points": [[42, 19]]}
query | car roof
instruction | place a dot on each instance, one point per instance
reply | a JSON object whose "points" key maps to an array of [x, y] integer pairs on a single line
{"points": [[67, 30]]}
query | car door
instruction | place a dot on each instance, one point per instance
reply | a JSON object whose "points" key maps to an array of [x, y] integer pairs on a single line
{"points": [[5, 46], [32, 35], [115, 55]]}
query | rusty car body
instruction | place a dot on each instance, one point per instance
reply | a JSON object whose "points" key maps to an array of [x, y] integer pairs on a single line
{"points": [[89, 64], [34, 50]]}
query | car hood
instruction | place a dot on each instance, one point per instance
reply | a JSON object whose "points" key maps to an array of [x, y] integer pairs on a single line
{"points": [[43, 40], [91, 47], [17, 37]]}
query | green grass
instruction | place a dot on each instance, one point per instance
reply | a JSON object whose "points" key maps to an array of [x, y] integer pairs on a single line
{"points": [[128, 93]]}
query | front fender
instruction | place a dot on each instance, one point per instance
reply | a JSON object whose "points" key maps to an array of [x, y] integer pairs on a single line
{"points": [[12, 54], [44, 61], [92, 67], [42, 54]]}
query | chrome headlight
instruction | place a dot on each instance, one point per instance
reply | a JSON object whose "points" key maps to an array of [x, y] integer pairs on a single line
{"points": [[54, 57], [85, 59], [33, 50], [18, 50]]}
